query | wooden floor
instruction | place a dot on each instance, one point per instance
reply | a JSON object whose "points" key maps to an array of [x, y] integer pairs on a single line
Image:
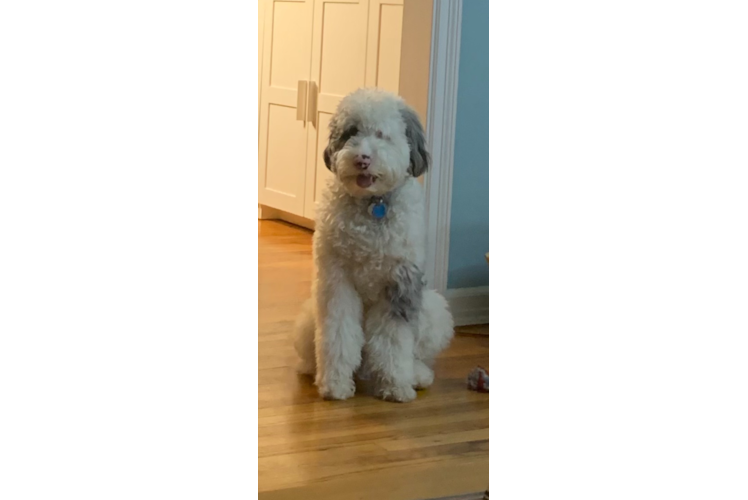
{"points": [[363, 448]]}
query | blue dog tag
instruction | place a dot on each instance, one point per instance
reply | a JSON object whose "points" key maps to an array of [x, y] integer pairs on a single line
{"points": [[378, 209]]}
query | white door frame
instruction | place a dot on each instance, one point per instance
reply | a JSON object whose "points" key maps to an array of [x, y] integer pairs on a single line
{"points": [[440, 131]]}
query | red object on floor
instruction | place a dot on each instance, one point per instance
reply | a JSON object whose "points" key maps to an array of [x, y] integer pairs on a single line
{"points": [[478, 380]]}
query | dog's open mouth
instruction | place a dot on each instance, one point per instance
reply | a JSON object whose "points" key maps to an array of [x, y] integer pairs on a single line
{"points": [[365, 180]]}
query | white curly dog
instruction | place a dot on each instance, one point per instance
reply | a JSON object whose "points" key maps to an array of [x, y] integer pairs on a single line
{"points": [[370, 315]]}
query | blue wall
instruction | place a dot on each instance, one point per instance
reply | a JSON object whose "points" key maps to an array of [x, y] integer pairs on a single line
{"points": [[468, 238]]}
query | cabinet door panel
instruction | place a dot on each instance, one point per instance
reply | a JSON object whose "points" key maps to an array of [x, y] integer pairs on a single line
{"points": [[383, 44], [285, 61]]}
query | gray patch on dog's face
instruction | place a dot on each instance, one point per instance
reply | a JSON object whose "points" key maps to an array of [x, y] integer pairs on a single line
{"points": [[406, 292], [419, 156], [340, 132]]}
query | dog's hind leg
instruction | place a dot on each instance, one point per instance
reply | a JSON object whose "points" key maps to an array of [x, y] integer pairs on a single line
{"points": [[303, 339], [435, 331]]}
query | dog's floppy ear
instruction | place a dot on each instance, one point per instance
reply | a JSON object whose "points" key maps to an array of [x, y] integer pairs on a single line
{"points": [[326, 157], [329, 151], [332, 141], [420, 160]]}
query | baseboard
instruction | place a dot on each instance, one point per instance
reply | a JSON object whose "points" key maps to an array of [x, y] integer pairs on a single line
{"points": [[469, 305], [266, 212]]}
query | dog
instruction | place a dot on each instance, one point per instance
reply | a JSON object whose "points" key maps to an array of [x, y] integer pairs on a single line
{"points": [[371, 316]]}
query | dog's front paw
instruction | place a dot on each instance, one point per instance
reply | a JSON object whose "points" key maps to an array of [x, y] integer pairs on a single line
{"points": [[424, 375], [339, 389], [397, 393]]}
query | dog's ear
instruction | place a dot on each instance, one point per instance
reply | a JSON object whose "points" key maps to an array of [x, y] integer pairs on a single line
{"points": [[326, 157], [341, 129], [420, 160], [332, 141]]}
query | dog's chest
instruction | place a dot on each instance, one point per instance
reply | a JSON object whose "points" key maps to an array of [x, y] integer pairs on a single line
{"points": [[371, 248], [367, 241]]}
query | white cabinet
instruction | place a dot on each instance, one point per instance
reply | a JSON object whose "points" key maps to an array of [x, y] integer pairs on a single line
{"points": [[314, 52]]}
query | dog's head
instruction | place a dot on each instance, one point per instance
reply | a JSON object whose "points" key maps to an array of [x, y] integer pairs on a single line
{"points": [[376, 143]]}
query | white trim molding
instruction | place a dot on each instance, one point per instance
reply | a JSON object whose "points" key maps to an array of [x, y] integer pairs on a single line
{"points": [[469, 306], [440, 129]]}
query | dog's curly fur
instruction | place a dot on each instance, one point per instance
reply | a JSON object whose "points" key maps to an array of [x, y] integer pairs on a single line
{"points": [[370, 314]]}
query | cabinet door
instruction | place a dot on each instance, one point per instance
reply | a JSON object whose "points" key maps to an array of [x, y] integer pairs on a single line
{"points": [[283, 130], [339, 49], [383, 44]]}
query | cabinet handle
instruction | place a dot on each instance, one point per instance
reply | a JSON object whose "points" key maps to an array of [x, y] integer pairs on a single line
{"points": [[312, 104], [301, 101]]}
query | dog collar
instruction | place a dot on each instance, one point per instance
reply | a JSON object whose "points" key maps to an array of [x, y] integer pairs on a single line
{"points": [[377, 207]]}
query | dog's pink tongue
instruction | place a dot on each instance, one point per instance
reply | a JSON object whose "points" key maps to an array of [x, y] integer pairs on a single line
{"points": [[364, 180]]}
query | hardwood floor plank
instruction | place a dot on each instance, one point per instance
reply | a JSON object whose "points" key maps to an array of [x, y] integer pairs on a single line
{"points": [[406, 482]]}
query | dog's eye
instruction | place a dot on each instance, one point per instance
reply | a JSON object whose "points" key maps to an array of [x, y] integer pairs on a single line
{"points": [[349, 132], [379, 134]]}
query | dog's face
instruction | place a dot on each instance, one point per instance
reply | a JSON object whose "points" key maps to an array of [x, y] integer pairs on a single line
{"points": [[376, 143]]}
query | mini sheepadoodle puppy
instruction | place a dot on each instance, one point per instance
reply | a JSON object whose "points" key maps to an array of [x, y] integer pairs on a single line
{"points": [[370, 315]]}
